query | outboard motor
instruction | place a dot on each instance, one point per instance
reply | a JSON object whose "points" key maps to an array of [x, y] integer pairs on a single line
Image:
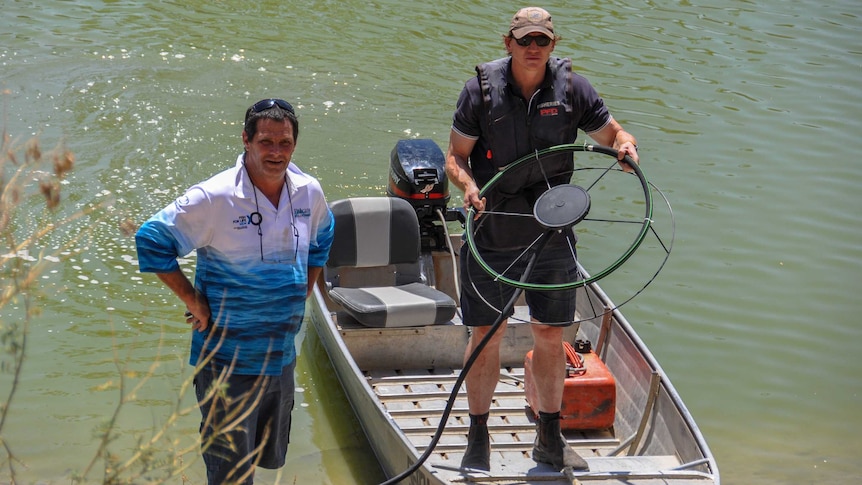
{"points": [[417, 173]]}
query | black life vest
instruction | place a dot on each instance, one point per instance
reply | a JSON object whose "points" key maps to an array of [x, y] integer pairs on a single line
{"points": [[514, 128]]}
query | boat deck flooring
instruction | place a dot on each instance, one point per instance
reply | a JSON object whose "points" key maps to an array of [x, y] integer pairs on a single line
{"points": [[415, 399]]}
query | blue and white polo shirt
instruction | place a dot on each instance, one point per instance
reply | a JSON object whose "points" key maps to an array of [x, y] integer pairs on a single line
{"points": [[255, 284]]}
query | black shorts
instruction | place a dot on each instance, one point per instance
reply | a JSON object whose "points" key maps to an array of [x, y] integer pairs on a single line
{"points": [[265, 404], [482, 298]]}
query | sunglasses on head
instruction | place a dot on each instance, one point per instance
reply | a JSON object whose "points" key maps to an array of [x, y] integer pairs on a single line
{"points": [[266, 104], [541, 40]]}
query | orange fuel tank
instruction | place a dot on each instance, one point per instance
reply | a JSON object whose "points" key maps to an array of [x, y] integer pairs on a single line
{"points": [[589, 396]]}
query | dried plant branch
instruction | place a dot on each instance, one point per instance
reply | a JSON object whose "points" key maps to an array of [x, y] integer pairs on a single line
{"points": [[19, 276]]}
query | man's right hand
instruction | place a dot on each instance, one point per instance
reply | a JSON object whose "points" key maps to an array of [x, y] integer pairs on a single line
{"points": [[198, 314]]}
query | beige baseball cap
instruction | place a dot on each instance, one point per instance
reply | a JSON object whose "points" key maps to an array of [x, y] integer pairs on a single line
{"points": [[531, 19]]}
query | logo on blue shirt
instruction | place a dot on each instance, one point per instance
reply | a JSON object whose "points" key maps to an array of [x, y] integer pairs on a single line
{"points": [[242, 222]]}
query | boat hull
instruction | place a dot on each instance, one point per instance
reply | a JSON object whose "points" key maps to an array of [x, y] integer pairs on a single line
{"points": [[398, 381]]}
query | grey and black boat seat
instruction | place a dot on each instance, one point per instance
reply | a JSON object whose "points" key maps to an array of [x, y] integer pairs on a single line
{"points": [[373, 269]]}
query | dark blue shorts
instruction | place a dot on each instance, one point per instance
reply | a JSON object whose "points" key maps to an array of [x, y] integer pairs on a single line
{"points": [[482, 298], [264, 405]]}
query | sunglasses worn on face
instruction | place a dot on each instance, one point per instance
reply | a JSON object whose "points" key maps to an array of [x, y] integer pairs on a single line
{"points": [[541, 40], [266, 104]]}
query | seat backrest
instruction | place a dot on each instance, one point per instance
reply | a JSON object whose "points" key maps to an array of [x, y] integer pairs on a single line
{"points": [[374, 231], [373, 268]]}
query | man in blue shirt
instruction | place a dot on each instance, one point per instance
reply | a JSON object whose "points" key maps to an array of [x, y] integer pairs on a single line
{"points": [[515, 106], [262, 232]]}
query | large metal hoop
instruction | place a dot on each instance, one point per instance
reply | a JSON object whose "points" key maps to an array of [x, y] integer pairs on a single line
{"points": [[473, 225]]}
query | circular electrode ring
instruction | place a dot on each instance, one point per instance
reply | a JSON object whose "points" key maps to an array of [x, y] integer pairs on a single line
{"points": [[560, 208]]}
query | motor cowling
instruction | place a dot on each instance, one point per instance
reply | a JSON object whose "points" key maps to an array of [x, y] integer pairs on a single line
{"points": [[417, 174]]}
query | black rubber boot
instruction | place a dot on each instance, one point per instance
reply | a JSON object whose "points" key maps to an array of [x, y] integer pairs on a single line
{"points": [[478, 453], [551, 447]]}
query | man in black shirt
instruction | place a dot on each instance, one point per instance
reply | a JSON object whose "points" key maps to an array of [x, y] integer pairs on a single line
{"points": [[517, 105]]}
